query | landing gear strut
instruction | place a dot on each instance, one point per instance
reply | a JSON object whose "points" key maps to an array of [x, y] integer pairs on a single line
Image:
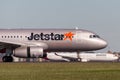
{"points": [[7, 59], [78, 56]]}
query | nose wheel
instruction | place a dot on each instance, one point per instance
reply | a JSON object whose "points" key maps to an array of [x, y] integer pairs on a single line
{"points": [[7, 59]]}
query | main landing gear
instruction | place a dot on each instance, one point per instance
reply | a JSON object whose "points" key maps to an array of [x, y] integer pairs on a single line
{"points": [[7, 59]]}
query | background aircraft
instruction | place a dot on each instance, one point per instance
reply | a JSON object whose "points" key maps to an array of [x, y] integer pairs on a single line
{"points": [[83, 56]]}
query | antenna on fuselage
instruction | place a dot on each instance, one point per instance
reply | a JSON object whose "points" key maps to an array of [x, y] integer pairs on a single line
{"points": [[76, 28]]}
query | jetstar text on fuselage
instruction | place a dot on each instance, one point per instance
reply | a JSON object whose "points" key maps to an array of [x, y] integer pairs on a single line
{"points": [[50, 36], [43, 36]]}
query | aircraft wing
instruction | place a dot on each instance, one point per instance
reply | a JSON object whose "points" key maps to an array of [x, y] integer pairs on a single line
{"points": [[15, 44], [6, 45], [70, 58]]}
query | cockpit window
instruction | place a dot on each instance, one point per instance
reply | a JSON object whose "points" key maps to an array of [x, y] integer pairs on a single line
{"points": [[94, 36]]}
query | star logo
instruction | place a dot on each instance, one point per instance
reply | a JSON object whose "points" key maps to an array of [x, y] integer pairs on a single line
{"points": [[68, 35]]}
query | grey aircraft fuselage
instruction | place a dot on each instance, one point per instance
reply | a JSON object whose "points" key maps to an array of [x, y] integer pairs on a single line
{"points": [[53, 39]]}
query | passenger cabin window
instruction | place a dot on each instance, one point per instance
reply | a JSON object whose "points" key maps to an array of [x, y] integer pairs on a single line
{"points": [[94, 36], [11, 36]]}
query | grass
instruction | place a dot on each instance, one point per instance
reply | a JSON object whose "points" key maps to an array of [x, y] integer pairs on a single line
{"points": [[60, 71]]}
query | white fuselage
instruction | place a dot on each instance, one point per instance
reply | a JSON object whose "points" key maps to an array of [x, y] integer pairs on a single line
{"points": [[83, 56]]}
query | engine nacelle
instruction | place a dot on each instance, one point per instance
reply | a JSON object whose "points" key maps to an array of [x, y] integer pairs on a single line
{"points": [[29, 52]]}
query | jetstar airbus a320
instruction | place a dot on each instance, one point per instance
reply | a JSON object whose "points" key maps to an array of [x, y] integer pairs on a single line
{"points": [[28, 43]]}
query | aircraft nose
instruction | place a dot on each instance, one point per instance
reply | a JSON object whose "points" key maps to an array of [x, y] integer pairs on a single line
{"points": [[116, 57], [103, 43]]}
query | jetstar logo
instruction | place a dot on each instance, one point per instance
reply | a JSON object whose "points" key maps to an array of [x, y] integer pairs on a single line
{"points": [[68, 35], [51, 36]]}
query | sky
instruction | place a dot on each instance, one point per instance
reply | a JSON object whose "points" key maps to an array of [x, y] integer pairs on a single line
{"points": [[99, 16]]}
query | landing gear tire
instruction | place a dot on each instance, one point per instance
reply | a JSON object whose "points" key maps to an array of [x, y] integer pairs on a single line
{"points": [[79, 60], [7, 59]]}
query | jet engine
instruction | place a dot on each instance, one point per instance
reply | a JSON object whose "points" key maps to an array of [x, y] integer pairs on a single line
{"points": [[29, 52]]}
